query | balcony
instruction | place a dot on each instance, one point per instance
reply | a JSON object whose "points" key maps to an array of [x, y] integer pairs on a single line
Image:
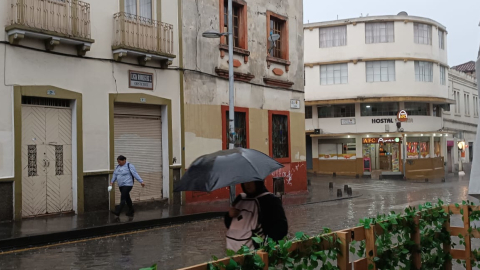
{"points": [[53, 21], [143, 38]]}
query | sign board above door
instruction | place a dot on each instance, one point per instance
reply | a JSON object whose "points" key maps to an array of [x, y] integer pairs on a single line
{"points": [[140, 80]]}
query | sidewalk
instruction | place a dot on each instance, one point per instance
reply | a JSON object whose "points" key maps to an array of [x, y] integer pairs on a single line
{"points": [[45, 230]]}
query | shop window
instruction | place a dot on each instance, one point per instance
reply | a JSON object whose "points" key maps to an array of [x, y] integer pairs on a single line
{"points": [[384, 154], [379, 109], [333, 36], [308, 112], [334, 111], [417, 108], [241, 127], [279, 136], [277, 24], [239, 12], [419, 147], [345, 150]]}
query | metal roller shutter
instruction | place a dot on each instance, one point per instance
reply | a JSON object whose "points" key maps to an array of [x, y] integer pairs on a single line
{"points": [[138, 136]]}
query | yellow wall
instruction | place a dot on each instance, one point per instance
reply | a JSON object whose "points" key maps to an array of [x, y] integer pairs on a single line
{"points": [[259, 130]]}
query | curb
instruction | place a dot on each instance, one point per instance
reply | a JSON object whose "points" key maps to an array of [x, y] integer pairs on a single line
{"points": [[42, 239], [325, 201]]}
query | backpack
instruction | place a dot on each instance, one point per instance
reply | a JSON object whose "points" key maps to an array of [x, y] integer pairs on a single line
{"points": [[246, 225], [131, 174]]}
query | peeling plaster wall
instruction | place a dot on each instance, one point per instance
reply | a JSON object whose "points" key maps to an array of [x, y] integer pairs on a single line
{"points": [[206, 92]]}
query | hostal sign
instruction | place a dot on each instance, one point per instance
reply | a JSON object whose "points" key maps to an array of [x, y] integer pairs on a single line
{"points": [[382, 121], [140, 80]]}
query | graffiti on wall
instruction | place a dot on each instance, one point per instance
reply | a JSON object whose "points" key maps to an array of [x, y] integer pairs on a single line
{"points": [[287, 174]]}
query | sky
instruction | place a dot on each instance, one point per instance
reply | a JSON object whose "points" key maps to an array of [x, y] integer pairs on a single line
{"points": [[461, 17]]}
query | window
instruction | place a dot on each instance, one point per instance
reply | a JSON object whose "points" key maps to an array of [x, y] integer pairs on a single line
{"points": [[142, 8], [333, 36], [422, 33], [279, 136], [456, 96], [277, 24], [466, 98], [308, 112], [241, 127], [443, 77], [437, 110], [334, 111], [475, 106], [441, 39], [417, 108], [380, 71], [334, 74], [423, 71], [381, 32], [379, 109], [239, 23]]}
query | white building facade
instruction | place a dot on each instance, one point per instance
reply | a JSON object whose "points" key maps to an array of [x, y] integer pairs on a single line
{"points": [[461, 119], [375, 92], [83, 82]]}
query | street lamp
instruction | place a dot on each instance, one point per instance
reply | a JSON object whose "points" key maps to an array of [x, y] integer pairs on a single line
{"points": [[231, 108]]}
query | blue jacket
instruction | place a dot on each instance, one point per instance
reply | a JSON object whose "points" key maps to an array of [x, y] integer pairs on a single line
{"points": [[124, 176]]}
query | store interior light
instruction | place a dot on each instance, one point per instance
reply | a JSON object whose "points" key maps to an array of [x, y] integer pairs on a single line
{"points": [[388, 135], [446, 135], [368, 106], [434, 135], [368, 136], [422, 135], [348, 136]]}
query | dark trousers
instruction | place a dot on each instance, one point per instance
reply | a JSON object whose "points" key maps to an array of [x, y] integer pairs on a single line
{"points": [[125, 198]]}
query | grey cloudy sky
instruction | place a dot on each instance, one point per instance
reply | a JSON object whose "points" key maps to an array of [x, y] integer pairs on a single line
{"points": [[461, 17]]}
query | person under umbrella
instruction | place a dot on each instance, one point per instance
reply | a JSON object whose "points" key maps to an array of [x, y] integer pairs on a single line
{"points": [[256, 212]]}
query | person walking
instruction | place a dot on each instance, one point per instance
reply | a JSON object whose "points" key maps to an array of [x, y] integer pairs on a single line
{"points": [[125, 174], [256, 212]]}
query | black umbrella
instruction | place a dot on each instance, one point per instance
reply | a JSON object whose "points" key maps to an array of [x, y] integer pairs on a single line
{"points": [[227, 168]]}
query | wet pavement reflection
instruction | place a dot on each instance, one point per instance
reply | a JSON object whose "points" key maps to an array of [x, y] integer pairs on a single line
{"points": [[189, 244]]}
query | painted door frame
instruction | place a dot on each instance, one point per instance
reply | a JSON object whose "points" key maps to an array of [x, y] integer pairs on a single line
{"points": [[77, 141], [166, 108]]}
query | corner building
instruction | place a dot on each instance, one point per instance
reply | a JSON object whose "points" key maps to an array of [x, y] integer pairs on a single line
{"points": [[375, 93]]}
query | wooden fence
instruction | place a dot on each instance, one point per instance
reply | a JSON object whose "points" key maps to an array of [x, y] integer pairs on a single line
{"points": [[369, 236]]}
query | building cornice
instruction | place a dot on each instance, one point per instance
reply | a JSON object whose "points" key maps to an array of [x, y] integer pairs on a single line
{"points": [[389, 18], [434, 100], [359, 59]]}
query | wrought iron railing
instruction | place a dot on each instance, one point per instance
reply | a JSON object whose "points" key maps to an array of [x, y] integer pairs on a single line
{"points": [[68, 17], [135, 32]]}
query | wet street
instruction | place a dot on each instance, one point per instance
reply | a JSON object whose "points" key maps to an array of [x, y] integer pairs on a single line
{"points": [[188, 244]]}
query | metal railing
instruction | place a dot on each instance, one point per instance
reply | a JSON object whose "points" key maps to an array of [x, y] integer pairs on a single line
{"points": [[135, 32], [68, 17]]}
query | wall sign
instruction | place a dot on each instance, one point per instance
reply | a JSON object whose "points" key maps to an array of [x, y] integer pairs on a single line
{"points": [[380, 140], [350, 121], [383, 121], [140, 80], [294, 104], [402, 116], [51, 92]]}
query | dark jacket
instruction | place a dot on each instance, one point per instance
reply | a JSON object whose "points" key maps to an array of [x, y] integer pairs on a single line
{"points": [[272, 215]]}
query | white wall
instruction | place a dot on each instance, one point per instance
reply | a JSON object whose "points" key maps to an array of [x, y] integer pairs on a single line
{"points": [[95, 79], [356, 49]]}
